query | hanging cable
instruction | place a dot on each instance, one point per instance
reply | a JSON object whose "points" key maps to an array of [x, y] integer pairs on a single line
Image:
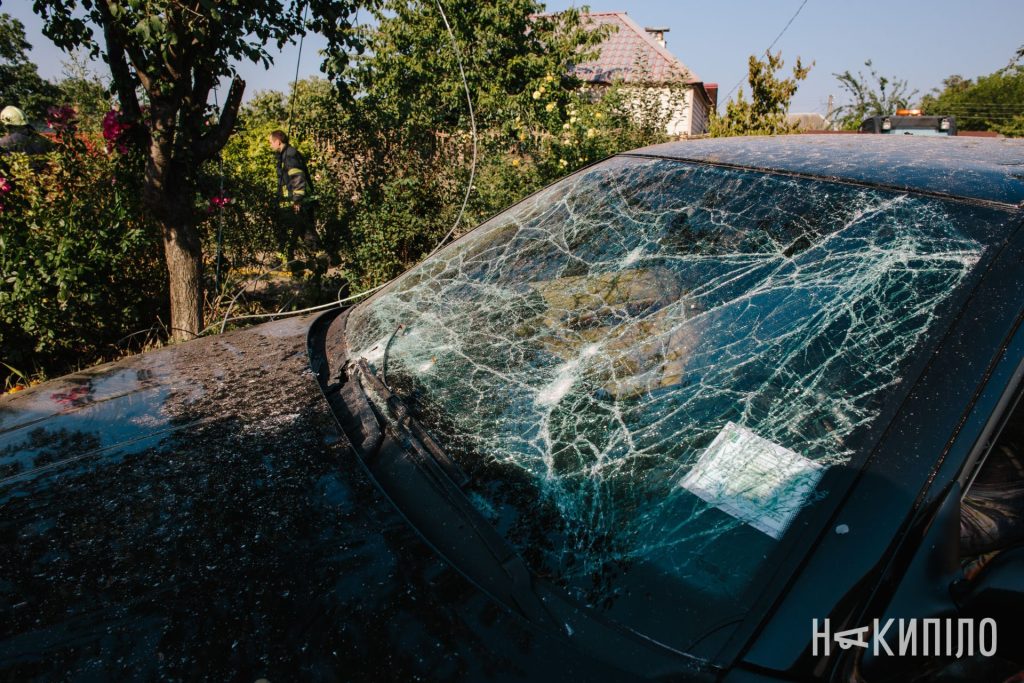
{"points": [[220, 208], [298, 61], [441, 243], [768, 49], [472, 123]]}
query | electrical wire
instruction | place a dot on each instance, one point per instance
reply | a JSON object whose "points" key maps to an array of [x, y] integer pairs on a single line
{"points": [[311, 309], [298, 61], [768, 49], [472, 123], [241, 289], [220, 209], [455, 225]]}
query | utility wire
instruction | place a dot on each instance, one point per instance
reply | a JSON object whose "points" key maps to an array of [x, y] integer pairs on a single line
{"points": [[220, 209], [458, 219], [298, 61], [472, 123], [768, 49]]}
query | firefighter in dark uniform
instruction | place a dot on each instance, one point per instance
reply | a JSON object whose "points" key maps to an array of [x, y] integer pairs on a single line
{"points": [[296, 221]]}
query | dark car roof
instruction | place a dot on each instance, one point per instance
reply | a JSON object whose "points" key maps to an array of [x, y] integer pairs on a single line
{"points": [[974, 168]]}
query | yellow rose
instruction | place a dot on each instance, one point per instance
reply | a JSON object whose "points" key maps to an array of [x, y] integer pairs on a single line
{"points": [[598, 116], [550, 107], [536, 94]]}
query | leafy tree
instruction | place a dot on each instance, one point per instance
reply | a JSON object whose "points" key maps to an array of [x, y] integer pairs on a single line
{"points": [[993, 102], [20, 82], [84, 89], [175, 51], [765, 113], [875, 97], [397, 158]]}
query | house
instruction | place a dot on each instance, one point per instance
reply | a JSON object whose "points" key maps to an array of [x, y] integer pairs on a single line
{"points": [[809, 121], [638, 57]]}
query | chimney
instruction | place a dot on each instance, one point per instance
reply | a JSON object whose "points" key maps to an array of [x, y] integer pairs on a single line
{"points": [[712, 90], [658, 34]]}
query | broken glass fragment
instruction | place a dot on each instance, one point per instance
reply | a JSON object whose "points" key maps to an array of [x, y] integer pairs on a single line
{"points": [[580, 352]]}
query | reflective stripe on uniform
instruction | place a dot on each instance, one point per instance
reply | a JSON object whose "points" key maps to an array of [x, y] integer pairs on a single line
{"points": [[294, 171], [298, 192]]}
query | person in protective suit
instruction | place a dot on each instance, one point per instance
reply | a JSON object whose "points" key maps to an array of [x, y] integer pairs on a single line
{"points": [[296, 220], [20, 135]]}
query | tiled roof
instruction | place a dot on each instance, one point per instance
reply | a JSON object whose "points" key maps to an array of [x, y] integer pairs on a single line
{"points": [[632, 55]]}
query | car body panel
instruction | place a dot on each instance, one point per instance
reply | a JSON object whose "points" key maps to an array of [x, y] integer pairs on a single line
{"points": [[927, 446], [225, 532], [198, 511], [981, 169]]}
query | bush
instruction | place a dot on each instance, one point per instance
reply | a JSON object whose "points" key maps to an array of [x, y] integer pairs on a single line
{"points": [[81, 267]]}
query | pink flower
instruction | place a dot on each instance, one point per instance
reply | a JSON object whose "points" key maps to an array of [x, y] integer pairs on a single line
{"points": [[62, 119], [5, 186], [115, 131], [218, 202]]}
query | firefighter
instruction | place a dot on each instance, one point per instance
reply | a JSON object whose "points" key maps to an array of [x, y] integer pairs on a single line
{"points": [[296, 220], [20, 135]]}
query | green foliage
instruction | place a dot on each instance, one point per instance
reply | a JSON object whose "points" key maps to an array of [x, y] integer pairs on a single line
{"points": [[20, 82], [879, 96], [175, 51], [78, 275], [85, 90], [765, 113], [993, 102], [396, 157]]}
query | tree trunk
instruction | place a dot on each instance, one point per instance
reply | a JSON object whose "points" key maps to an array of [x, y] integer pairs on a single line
{"points": [[184, 255], [167, 193]]}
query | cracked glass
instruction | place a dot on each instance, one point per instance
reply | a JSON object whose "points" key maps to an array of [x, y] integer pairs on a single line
{"points": [[646, 368]]}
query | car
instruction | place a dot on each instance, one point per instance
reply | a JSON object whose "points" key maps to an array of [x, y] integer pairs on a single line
{"points": [[909, 122], [708, 410]]}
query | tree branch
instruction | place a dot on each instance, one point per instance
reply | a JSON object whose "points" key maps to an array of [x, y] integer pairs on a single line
{"points": [[123, 80], [210, 144]]}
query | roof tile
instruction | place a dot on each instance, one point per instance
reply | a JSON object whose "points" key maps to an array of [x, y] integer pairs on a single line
{"points": [[631, 54]]}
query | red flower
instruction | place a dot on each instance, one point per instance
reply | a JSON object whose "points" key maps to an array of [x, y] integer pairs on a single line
{"points": [[218, 202], [5, 186], [115, 131], [62, 119], [74, 396]]}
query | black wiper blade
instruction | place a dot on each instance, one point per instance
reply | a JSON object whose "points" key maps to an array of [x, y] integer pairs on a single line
{"points": [[405, 422], [403, 468], [429, 496]]}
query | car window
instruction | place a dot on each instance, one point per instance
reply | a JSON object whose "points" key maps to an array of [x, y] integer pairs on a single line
{"points": [[992, 510], [647, 368]]}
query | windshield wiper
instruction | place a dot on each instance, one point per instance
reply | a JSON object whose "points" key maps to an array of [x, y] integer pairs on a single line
{"points": [[425, 486], [406, 423], [430, 496]]}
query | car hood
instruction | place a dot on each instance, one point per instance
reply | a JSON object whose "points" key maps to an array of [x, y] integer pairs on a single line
{"points": [[196, 512]]}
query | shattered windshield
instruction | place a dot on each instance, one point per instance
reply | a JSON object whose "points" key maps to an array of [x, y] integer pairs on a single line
{"points": [[646, 368]]}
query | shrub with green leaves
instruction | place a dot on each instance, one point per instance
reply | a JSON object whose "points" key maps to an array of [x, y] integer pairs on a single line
{"points": [[81, 267]]}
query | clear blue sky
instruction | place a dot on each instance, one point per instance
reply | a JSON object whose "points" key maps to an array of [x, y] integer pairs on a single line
{"points": [[922, 42]]}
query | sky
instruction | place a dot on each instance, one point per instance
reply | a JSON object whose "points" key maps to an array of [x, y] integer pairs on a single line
{"points": [[921, 42]]}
